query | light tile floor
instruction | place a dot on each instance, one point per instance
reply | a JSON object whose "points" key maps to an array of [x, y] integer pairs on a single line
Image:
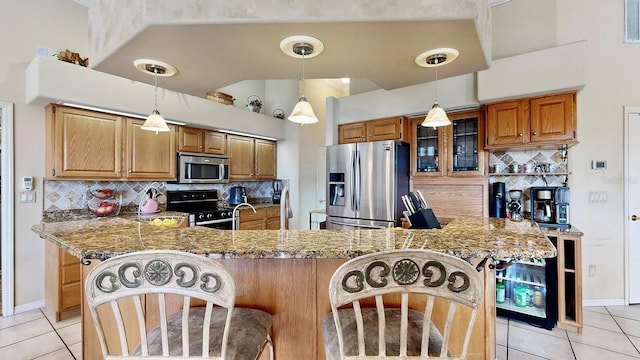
{"points": [[37, 335], [610, 333]]}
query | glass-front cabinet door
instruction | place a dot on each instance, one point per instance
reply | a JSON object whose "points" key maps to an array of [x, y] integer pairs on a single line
{"points": [[466, 137], [466, 157], [427, 150], [455, 150]]}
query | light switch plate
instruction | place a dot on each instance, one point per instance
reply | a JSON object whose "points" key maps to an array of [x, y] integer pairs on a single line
{"points": [[27, 197]]}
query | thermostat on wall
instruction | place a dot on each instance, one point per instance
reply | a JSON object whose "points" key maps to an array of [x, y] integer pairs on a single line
{"points": [[599, 164]]}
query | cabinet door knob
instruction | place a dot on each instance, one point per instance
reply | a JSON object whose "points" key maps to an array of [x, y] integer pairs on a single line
{"points": [[521, 134], [634, 217], [535, 133]]}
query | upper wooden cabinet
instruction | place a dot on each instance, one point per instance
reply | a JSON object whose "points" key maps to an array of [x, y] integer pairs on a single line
{"points": [[201, 141], [83, 144], [250, 158], [543, 120], [454, 150], [393, 128], [149, 155]]}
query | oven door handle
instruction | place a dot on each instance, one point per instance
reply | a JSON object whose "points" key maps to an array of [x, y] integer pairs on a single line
{"points": [[207, 222]]}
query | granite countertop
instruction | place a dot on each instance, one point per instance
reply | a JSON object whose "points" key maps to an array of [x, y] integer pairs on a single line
{"points": [[466, 237]]}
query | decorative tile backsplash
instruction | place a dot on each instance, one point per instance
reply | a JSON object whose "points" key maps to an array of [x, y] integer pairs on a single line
{"points": [[73, 195], [524, 181]]}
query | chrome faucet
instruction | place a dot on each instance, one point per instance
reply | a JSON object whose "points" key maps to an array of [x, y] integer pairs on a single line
{"points": [[234, 214]]}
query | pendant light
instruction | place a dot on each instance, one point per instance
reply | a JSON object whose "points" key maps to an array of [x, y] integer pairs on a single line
{"points": [[302, 46], [435, 58], [155, 121], [303, 113]]}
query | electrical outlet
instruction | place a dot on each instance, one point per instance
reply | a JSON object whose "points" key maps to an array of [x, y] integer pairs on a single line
{"points": [[598, 197], [592, 270]]}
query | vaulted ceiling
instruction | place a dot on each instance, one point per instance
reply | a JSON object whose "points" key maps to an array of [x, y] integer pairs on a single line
{"points": [[214, 45]]}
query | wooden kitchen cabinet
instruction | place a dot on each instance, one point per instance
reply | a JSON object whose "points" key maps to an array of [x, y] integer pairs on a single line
{"points": [[454, 150], [352, 133], [62, 280], [273, 218], [83, 144], [569, 247], [198, 140], [264, 218], [149, 155], [250, 158], [542, 120], [92, 145], [392, 128]]}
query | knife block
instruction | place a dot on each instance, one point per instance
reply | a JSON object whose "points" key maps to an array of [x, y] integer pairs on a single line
{"points": [[424, 219]]}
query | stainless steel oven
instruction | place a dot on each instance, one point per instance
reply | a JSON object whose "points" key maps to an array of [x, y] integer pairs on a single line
{"points": [[202, 168], [202, 206], [223, 223]]}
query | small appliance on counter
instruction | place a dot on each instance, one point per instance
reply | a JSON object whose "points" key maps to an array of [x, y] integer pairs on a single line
{"points": [[497, 201], [237, 195], [515, 204], [277, 191], [550, 205]]}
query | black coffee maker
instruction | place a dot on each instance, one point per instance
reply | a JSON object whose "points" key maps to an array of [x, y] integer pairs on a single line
{"points": [[497, 201]]}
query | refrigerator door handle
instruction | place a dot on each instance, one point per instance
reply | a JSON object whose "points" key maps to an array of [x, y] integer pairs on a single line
{"points": [[359, 181], [353, 181]]}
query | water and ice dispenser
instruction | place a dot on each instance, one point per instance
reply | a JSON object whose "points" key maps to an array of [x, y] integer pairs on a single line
{"points": [[336, 189]]}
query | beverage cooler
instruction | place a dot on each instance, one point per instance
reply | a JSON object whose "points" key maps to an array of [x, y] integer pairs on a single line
{"points": [[527, 291]]}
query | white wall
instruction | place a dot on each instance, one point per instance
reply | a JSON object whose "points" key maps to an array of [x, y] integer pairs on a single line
{"points": [[612, 82], [25, 25]]}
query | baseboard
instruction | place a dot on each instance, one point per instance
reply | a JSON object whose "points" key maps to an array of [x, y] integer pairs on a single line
{"points": [[28, 307], [603, 302]]}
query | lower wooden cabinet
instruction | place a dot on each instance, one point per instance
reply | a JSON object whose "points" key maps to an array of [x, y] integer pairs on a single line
{"points": [[62, 280], [263, 219], [569, 246]]}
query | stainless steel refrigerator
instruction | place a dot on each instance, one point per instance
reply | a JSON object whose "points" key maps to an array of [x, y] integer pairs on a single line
{"points": [[365, 182]]}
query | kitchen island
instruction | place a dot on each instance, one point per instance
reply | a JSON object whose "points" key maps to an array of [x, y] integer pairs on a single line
{"points": [[287, 272]]}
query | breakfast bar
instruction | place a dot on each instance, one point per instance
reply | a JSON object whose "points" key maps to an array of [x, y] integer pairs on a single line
{"points": [[286, 273]]}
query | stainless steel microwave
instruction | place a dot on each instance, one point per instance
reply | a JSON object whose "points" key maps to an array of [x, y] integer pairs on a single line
{"points": [[202, 169]]}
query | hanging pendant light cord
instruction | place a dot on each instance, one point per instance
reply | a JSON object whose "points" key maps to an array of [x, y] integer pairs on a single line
{"points": [[302, 72], [436, 79], [155, 72]]}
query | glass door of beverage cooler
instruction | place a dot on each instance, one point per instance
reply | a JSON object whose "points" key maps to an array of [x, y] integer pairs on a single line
{"points": [[527, 291]]}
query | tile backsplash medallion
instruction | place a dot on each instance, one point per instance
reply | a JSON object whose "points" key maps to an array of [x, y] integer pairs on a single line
{"points": [[74, 195], [524, 181]]}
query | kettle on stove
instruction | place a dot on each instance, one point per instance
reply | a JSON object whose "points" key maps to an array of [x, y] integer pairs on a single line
{"points": [[237, 195]]}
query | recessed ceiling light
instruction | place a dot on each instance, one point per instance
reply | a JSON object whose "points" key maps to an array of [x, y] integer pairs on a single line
{"points": [[154, 67], [290, 46], [446, 54]]}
